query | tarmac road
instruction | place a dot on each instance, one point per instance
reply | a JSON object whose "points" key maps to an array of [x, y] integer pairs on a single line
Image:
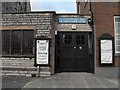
{"points": [[14, 82]]}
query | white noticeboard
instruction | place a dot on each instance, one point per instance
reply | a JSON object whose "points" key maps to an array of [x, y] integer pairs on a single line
{"points": [[42, 52], [106, 51]]}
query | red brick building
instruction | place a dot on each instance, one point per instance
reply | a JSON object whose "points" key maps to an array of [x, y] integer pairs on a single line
{"points": [[105, 21]]}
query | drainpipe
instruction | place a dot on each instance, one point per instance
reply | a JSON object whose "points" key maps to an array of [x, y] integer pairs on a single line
{"points": [[93, 35]]}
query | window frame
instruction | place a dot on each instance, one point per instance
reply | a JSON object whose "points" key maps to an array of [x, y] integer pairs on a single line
{"points": [[21, 47], [116, 34]]}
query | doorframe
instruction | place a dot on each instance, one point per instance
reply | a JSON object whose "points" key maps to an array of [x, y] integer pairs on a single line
{"points": [[56, 54]]}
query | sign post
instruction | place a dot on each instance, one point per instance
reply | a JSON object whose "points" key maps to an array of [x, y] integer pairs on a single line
{"points": [[38, 71], [42, 49]]}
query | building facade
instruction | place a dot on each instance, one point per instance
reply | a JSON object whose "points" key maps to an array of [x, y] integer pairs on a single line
{"points": [[50, 43], [16, 6], [18, 48], [106, 18]]}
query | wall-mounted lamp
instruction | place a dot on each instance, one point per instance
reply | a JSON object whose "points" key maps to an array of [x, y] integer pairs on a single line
{"points": [[90, 21]]}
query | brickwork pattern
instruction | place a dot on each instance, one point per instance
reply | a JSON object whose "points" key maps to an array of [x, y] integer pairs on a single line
{"points": [[68, 27], [43, 25], [16, 6], [104, 22], [103, 13]]}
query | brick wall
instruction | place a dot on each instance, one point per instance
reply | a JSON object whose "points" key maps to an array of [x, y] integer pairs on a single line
{"points": [[18, 66], [43, 25], [16, 6], [103, 13], [83, 8], [68, 27], [104, 22]]}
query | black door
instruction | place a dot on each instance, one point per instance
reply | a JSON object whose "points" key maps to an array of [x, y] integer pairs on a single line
{"points": [[67, 52], [73, 52], [80, 48]]}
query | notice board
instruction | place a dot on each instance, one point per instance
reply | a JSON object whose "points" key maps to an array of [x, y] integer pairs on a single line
{"points": [[106, 50], [42, 52]]}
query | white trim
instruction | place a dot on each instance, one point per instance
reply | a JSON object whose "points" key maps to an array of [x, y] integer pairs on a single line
{"points": [[115, 33]]}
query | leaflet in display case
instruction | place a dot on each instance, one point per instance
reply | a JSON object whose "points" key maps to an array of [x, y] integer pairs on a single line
{"points": [[42, 51], [106, 48]]}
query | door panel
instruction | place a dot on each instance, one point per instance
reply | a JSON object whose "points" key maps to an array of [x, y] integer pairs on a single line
{"points": [[80, 52], [67, 52]]}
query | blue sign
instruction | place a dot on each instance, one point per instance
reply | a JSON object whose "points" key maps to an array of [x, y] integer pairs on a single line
{"points": [[74, 20]]}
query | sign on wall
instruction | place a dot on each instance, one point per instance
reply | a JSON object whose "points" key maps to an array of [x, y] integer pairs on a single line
{"points": [[42, 52], [106, 51], [72, 20]]}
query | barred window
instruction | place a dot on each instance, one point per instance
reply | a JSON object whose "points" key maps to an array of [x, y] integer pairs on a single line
{"points": [[117, 33], [6, 42], [27, 42], [17, 42]]}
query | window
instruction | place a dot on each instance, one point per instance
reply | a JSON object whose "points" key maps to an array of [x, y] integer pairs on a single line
{"points": [[67, 39], [17, 42], [6, 42], [27, 42], [117, 33], [80, 39]]}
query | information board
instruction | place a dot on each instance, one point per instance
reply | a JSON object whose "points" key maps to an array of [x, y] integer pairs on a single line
{"points": [[42, 52], [106, 51]]}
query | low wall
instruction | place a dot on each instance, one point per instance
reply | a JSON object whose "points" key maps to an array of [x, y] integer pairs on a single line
{"points": [[22, 67]]}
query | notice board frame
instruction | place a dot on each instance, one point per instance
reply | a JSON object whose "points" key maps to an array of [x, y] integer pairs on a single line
{"points": [[42, 38], [106, 37]]}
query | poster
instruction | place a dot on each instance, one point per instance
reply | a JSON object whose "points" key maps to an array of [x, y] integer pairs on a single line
{"points": [[106, 51], [42, 52]]}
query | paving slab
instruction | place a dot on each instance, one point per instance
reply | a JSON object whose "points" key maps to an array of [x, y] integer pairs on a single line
{"points": [[73, 80]]}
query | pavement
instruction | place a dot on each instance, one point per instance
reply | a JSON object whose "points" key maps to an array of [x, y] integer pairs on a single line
{"points": [[72, 80], [14, 82]]}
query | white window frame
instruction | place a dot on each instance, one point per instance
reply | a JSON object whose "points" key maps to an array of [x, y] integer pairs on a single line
{"points": [[115, 34]]}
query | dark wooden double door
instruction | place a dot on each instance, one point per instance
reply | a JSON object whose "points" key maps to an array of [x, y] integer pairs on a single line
{"points": [[73, 52]]}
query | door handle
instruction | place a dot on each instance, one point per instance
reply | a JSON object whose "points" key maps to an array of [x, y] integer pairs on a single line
{"points": [[74, 47], [80, 47]]}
